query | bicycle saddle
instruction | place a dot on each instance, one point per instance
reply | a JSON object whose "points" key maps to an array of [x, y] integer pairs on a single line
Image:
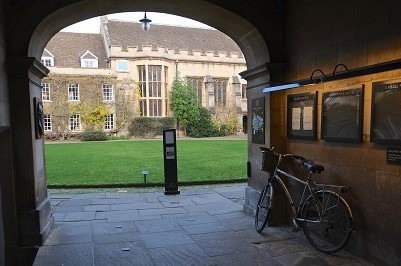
{"points": [[311, 166]]}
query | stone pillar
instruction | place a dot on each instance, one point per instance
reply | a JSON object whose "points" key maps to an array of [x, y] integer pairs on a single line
{"points": [[259, 78], [33, 208], [209, 92], [236, 93]]}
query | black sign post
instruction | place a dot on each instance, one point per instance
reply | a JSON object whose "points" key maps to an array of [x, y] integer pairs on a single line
{"points": [[170, 162]]}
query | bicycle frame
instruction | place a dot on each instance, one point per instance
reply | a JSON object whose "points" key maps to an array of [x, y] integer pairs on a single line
{"points": [[294, 209], [309, 185]]}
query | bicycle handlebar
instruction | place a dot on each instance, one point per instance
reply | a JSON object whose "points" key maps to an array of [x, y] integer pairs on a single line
{"points": [[308, 164]]}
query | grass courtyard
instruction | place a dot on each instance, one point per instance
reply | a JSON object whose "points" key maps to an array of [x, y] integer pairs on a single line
{"points": [[120, 163]]}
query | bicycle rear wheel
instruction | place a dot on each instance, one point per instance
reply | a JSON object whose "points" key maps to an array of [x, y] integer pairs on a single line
{"points": [[327, 221], [264, 207]]}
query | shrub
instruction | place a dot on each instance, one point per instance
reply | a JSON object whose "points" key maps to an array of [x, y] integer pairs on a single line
{"points": [[204, 126], [142, 127], [94, 135]]}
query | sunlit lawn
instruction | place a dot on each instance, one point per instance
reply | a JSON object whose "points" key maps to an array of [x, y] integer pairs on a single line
{"points": [[121, 162]]}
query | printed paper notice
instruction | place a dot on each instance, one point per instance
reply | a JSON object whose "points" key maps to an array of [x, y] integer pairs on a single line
{"points": [[296, 118], [308, 118]]}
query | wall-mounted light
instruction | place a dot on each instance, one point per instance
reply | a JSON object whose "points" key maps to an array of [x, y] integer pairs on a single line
{"points": [[305, 82], [337, 75], [145, 23]]}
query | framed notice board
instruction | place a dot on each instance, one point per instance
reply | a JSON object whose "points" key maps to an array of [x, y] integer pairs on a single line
{"points": [[342, 115], [386, 112], [301, 115]]}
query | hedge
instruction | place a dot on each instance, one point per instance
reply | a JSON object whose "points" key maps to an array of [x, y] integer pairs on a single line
{"points": [[149, 127]]}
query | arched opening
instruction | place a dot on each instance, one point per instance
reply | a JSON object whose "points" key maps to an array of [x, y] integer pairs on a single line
{"points": [[30, 37], [240, 30]]}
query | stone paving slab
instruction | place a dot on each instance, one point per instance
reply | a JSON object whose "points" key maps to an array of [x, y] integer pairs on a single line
{"points": [[201, 226]]}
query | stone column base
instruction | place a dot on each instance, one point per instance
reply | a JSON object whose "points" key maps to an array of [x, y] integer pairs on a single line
{"points": [[280, 213]]}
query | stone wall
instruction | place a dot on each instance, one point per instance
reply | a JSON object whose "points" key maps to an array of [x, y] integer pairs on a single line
{"points": [[374, 184], [321, 35]]}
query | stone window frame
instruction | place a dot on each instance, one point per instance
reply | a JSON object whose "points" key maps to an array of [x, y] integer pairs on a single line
{"points": [[151, 87], [74, 122], [198, 83], [108, 93], [109, 122], [46, 97], [120, 67], [73, 92], [47, 122], [220, 86]]}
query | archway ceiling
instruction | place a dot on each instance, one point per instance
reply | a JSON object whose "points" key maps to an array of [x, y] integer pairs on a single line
{"points": [[256, 25]]}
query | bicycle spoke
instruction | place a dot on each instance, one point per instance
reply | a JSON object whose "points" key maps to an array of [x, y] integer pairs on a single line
{"points": [[334, 228]]}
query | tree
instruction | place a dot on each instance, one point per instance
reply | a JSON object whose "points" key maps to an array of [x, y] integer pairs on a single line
{"points": [[183, 103]]}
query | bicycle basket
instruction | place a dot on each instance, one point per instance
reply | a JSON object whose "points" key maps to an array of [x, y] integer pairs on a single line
{"points": [[269, 161]]}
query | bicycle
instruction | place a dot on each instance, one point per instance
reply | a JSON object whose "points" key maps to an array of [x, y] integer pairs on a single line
{"points": [[322, 212]]}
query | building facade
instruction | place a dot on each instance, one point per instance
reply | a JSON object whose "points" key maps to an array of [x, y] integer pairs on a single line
{"points": [[124, 72]]}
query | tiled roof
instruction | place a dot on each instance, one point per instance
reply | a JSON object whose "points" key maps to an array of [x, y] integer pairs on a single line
{"points": [[125, 34], [68, 47]]}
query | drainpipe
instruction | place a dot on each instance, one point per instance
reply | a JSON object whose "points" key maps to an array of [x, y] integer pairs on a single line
{"points": [[176, 69]]}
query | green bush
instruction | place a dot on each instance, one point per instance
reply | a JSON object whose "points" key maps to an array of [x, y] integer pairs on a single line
{"points": [[204, 126], [93, 135], [149, 127]]}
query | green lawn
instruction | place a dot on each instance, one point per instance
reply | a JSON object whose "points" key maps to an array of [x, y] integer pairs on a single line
{"points": [[121, 162]]}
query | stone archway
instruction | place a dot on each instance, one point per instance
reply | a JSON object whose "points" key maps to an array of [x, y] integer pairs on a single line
{"points": [[36, 25]]}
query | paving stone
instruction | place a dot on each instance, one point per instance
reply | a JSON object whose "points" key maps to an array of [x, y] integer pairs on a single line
{"points": [[166, 239], [136, 206], [252, 236], [195, 218], [61, 196], [231, 193], [153, 226], [97, 208], [77, 208], [111, 228], [67, 255], [116, 237], [70, 234], [121, 254], [191, 192], [162, 211], [79, 216], [59, 217], [204, 228], [90, 195], [214, 207], [251, 257], [123, 218], [221, 243], [177, 203], [317, 258], [111, 201], [282, 247], [197, 227], [134, 197], [77, 202], [236, 221], [184, 255], [210, 198], [110, 214]]}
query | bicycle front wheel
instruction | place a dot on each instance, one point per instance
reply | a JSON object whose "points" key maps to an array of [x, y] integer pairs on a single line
{"points": [[327, 221], [264, 207]]}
